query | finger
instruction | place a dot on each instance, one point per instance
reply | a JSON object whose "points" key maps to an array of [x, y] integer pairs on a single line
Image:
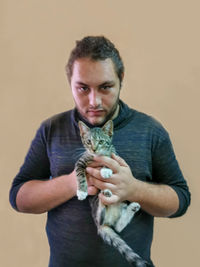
{"points": [[93, 172], [108, 200], [121, 161], [92, 190], [101, 185], [89, 180], [95, 164], [108, 162], [94, 175]]}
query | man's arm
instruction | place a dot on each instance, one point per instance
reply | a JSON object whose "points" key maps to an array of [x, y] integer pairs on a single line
{"points": [[32, 190], [36, 196], [157, 199]]}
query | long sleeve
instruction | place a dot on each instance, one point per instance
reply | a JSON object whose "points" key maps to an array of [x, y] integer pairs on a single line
{"points": [[35, 167], [166, 170]]}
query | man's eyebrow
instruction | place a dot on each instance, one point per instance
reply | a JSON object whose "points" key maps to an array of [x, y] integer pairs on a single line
{"points": [[102, 84], [81, 83], [107, 82]]}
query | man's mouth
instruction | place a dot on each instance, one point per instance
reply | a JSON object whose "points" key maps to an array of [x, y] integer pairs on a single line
{"points": [[95, 112]]}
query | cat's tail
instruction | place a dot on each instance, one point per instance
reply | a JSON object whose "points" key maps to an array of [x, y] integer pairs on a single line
{"points": [[113, 239]]}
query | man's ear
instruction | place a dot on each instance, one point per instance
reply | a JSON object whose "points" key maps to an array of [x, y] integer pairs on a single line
{"points": [[122, 78]]}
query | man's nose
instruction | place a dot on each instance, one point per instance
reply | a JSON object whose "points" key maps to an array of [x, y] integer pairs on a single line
{"points": [[94, 99]]}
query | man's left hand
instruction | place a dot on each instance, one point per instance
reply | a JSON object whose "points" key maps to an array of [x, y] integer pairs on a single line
{"points": [[121, 183]]}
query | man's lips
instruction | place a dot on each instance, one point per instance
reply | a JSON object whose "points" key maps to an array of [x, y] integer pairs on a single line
{"points": [[95, 112]]}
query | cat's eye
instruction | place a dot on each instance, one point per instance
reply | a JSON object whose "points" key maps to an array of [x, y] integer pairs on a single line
{"points": [[88, 142], [100, 142]]}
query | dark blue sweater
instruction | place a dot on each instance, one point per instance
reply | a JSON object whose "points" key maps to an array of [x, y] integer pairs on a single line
{"points": [[142, 142]]}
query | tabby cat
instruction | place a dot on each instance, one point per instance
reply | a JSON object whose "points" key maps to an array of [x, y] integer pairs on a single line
{"points": [[111, 219]]}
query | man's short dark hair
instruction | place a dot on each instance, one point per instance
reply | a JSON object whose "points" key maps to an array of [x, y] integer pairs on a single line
{"points": [[96, 48]]}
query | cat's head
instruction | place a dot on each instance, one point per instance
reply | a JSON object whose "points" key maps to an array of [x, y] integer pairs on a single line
{"points": [[97, 140]]}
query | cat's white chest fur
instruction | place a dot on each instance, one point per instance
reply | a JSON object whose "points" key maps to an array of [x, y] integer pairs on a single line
{"points": [[113, 213]]}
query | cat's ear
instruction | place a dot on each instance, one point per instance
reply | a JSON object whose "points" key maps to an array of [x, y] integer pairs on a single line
{"points": [[108, 128], [83, 128]]}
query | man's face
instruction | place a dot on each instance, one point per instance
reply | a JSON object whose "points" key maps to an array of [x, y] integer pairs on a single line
{"points": [[95, 88]]}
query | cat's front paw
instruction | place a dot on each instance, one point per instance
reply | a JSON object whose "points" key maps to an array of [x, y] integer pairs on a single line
{"points": [[81, 194], [106, 172]]}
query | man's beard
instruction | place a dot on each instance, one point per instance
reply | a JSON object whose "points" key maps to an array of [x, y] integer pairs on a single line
{"points": [[107, 117], [112, 112]]}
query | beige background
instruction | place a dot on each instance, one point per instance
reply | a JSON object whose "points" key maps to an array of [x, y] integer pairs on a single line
{"points": [[159, 42]]}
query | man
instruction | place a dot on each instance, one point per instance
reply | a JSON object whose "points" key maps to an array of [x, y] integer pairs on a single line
{"points": [[146, 170]]}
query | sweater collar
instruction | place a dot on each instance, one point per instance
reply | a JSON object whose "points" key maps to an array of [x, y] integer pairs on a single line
{"points": [[125, 114]]}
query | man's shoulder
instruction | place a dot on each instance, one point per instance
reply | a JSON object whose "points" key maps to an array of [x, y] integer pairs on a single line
{"points": [[56, 124], [142, 118], [58, 118], [148, 122], [136, 118]]}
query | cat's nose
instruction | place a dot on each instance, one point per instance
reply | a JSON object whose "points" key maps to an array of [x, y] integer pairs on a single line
{"points": [[94, 148]]}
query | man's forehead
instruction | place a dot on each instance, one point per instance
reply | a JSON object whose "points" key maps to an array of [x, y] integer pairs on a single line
{"points": [[85, 65], [86, 70]]}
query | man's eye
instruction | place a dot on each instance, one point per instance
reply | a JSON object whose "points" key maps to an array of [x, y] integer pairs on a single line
{"points": [[106, 87], [83, 88]]}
